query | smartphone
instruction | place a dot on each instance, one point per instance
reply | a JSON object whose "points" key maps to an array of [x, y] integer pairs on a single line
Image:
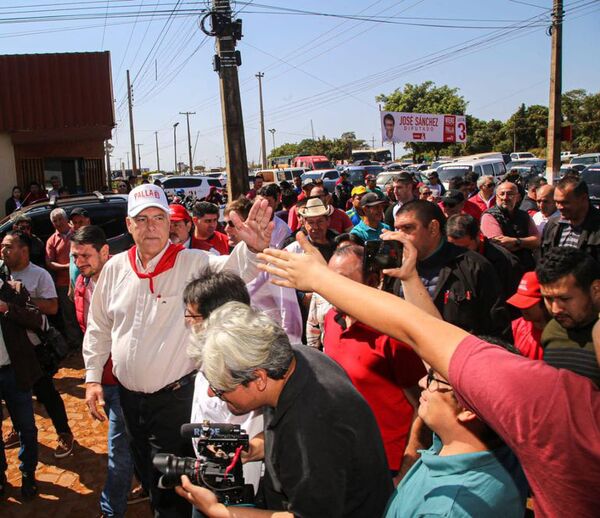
{"points": [[382, 255]]}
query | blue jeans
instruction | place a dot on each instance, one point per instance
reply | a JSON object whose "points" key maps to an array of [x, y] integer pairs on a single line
{"points": [[19, 405], [113, 500]]}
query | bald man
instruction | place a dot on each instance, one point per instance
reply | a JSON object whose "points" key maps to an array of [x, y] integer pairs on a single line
{"points": [[545, 201]]}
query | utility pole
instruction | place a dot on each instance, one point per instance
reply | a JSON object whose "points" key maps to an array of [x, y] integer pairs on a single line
{"points": [[108, 149], [187, 116], [128, 160], [176, 170], [131, 132], [312, 129], [225, 63], [157, 155], [554, 113], [263, 149], [139, 157], [272, 132]]}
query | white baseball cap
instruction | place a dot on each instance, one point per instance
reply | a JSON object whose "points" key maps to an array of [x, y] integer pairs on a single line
{"points": [[144, 196]]}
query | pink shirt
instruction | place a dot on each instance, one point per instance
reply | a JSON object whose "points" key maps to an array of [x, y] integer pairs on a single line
{"points": [[491, 228], [549, 417], [58, 248]]}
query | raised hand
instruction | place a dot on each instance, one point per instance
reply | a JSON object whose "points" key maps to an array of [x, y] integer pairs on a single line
{"points": [[408, 269], [256, 230], [299, 271]]}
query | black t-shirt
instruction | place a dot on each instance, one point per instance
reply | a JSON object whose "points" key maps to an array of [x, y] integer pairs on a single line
{"points": [[324, 455]]}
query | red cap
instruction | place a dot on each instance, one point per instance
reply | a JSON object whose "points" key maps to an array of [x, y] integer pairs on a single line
{"points": [[528, 293], [179, 213]]}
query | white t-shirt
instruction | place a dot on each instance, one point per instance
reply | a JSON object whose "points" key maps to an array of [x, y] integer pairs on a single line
{"points": [[39, 284], [215, 410], [38, 281]]}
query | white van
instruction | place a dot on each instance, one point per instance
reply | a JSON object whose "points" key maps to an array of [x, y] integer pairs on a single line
{"points": [[484, 167]]}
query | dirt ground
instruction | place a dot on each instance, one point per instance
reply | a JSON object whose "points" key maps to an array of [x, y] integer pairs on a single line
{"points": [[68, 487]]}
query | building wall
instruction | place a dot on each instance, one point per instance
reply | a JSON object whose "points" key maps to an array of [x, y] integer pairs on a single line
{"points": [[8, 169]]}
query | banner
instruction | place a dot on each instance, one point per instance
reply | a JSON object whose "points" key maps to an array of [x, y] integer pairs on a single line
{"points": [[423, 127]]}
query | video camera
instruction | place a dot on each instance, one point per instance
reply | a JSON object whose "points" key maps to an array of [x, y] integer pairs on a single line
{"points": [[219, 465]]}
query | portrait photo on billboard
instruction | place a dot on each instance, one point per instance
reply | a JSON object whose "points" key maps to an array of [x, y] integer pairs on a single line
{"points": [[388, 127]]}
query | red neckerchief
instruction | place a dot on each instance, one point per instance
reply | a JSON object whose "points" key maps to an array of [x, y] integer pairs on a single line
{"points": [[166, 262]]}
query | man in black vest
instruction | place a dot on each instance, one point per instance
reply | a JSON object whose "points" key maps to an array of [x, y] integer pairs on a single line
{"points": [[511, 227]]}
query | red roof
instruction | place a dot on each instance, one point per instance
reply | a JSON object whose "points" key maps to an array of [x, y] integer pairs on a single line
{"points": [[46, 92]]}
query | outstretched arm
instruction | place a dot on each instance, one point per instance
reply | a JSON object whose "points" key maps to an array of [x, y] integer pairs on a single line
{"points": [[432, 339]]}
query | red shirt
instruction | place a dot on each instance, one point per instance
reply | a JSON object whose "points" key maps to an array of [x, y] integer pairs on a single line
{"points": [[477, 200], [380, 368], [527, 339], [547, 416], [217, 242], [58, 248], [472, 209]]}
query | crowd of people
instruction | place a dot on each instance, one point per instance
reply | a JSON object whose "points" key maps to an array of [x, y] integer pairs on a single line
{"points": [[458, 376]]}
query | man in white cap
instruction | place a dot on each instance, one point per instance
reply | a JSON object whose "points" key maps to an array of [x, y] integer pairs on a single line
{"points": [[136, 314]]}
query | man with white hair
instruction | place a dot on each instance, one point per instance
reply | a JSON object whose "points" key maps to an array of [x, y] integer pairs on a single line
{"points": [[484, 198], [136, 314], [58, 248], [322, 449]]}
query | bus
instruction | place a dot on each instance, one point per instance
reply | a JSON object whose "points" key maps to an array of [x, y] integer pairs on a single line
{"points": [[376, 155], [281, 162]]}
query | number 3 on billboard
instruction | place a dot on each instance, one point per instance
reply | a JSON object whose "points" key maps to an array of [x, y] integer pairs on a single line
{"points": [[462, 131]]}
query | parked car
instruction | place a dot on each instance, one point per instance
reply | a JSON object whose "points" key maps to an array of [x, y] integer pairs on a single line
{"points": [[532, 166], [198, 186], [580, 162], [288, 174], [384, 178], [108, 211], [487, 166], [356, 174], [521, 154], [591, 176]]}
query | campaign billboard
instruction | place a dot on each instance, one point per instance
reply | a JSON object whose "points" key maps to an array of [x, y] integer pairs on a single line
{"points": [[423, 127]]}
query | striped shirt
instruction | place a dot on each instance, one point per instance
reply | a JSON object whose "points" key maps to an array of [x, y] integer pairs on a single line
{"points": [[569, 235]]}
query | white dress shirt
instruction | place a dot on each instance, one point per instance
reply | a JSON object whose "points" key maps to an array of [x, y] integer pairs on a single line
{"points": [[145, 332]]}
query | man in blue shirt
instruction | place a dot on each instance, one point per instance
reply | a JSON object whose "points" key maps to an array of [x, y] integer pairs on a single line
{"points": [[468, 471], [372, 224], [355, 213]]}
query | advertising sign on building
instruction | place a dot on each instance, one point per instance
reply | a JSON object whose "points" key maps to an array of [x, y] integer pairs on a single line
{"points": [[423, 127]]}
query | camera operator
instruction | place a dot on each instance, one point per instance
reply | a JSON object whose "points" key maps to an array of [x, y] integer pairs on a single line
{"points": [[201, 297], [322, 449]]}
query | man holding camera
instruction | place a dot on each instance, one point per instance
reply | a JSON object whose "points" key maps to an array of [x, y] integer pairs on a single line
{"points": [[322, 449], [136, 315]]}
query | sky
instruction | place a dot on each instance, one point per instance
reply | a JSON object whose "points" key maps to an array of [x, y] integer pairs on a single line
{"points": [[323, 67]]}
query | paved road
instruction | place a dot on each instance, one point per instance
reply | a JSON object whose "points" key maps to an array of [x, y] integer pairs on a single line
{"points": [[68, 487]]}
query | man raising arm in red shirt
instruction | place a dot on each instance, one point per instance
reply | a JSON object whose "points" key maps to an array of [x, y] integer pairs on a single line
{"points": [[547, 416]]}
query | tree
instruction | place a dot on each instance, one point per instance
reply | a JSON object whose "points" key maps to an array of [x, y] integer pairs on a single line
{"points": [[336, 149], [425, 98], [582, 111]]}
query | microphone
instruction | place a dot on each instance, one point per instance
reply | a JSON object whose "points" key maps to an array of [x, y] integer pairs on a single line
{"points": [[207, 430]]}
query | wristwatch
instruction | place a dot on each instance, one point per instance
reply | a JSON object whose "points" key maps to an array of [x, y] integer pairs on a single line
{"points": [[518, 242]]}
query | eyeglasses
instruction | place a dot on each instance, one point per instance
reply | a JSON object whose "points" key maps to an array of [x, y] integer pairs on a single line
{"points": [[431, 378], [192, 315], [218, 393]]}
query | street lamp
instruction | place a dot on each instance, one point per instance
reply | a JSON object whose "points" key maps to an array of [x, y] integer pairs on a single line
{"points": [[272, 132], [175, 144]]}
